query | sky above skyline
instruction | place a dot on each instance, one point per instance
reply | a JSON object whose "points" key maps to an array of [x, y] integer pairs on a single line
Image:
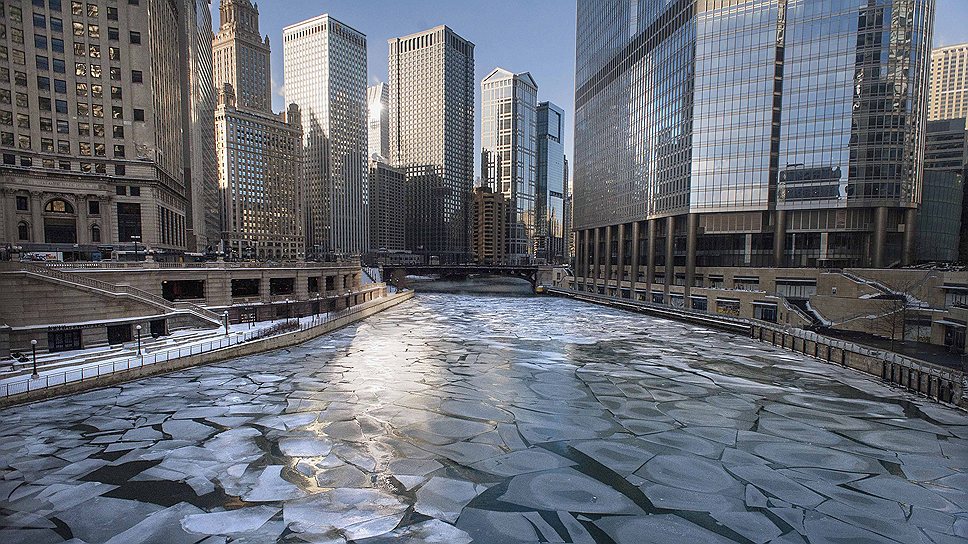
{"points": [[536, 36]]}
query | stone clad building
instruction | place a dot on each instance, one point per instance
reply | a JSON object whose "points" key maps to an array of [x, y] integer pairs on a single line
{"points": [[260, 155], [325, 75], [91, 126], [431, 83], [489, 226], [260, 160]]}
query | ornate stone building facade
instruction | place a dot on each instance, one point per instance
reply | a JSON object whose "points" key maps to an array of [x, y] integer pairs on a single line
{"points": [[92, 153]]}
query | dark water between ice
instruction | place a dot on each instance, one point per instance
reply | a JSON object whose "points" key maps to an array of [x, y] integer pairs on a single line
{"points": [[494, 419]]}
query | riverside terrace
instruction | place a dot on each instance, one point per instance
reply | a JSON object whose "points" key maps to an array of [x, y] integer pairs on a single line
{"points": [[77, 305]]}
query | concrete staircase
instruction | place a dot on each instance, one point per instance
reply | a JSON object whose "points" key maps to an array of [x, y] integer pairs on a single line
{"points": [[82, 281]]}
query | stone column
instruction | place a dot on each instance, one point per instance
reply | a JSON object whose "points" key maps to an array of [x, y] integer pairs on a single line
{"points": [[692, 235], [585, 255], [36, 219], [597, 258], [880, 236], [650, 260], [620, 273], [634, 265], [109, 235], [779, 238], [83, 228], [670, 268], [909, 253], [264, 288], [8, 211]]}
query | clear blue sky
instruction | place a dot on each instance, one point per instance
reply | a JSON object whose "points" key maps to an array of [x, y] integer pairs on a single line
{"points": [[536, 36]]}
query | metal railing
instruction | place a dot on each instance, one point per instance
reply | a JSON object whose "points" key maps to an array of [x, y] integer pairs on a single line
{"points": [[148, 265], [288, 326]]}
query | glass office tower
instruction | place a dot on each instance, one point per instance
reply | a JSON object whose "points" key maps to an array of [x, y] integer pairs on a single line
{"points": [[509, 139], [747, 133], [550, 186]]}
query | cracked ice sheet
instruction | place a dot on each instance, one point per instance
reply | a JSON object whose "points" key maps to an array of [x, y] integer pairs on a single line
{"points": [[271, 487], [353, 513], [444, 498], [428, 532], [230, 522]]}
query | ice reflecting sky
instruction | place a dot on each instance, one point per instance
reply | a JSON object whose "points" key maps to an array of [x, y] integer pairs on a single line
{"points": [[455, 418]]}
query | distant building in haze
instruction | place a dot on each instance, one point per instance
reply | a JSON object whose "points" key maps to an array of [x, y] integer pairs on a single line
{"points": [[325, 75], [431, 79], [378, 119]]}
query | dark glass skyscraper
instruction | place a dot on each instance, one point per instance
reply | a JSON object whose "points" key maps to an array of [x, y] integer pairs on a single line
{"points": [[550, 186], [717, 133]]}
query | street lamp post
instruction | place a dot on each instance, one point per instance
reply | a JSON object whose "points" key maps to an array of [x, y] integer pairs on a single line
{"points": [[136, 239], [138, 328], [225, 315], [33, 347], [288, 311]]}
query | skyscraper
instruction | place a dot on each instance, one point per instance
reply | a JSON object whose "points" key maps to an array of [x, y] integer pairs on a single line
{"points": [[943, 214], [260, 158], [201, 168], [948, 98], [260, 155], [91, 126], [788, 133], [509, 136], [489, 229], [432, 137], [378, 112], [569, 216], [387, 197], [241, 55], [325, 75], [551, 237]]}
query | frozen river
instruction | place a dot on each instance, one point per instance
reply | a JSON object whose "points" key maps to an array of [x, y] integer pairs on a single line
{"points": [[454, 419]]}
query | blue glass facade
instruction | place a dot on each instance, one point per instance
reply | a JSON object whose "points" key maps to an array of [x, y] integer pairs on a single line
{"points": [[550, 235], [748, 133]]}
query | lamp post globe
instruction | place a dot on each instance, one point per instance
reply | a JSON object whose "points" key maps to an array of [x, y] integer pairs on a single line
{"points": [[33, 348]]}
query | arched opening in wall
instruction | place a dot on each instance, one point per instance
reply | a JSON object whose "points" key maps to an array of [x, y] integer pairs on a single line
{"points": [[23, 231], [60, 223], [95, 234]]}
